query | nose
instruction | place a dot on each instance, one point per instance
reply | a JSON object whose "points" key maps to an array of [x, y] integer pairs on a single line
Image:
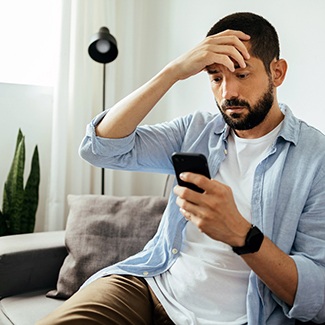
{"points": [[229, 89]]}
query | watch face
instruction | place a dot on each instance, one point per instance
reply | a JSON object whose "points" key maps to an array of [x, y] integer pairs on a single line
{"points": [[254, 239], [253, 242]]}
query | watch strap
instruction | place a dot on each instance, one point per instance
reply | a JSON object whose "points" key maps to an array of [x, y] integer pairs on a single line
{"points": [[253, 242]]}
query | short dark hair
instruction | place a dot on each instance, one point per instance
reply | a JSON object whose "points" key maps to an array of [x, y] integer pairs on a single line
{"points": [[264, 38]]}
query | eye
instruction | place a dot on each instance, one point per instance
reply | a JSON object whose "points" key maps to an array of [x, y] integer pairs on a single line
{"points": [[242, 75], [217, 79]]}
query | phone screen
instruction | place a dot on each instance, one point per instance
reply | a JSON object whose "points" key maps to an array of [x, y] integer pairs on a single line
{"points": [[190, 162]]}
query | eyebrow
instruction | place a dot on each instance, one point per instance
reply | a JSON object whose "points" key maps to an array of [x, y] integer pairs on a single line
{"points": [[210, 71]]}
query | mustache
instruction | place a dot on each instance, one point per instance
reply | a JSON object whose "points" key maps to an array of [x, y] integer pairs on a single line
{"points": [[234, 102]]}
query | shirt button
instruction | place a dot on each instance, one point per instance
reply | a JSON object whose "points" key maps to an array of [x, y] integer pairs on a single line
{"points": [[145, 273], [174, 251]]}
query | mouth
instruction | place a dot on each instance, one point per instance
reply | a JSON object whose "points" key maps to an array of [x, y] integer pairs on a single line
{"points": [[235, 109]]}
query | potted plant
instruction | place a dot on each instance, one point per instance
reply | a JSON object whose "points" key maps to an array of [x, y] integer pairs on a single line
{"points": [[20, 203]]}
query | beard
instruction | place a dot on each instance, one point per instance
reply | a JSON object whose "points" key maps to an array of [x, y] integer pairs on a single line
{"points": [[256, 113]]}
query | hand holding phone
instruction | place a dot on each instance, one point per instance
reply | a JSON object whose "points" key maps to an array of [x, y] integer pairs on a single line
{"points": [[190, 162]]}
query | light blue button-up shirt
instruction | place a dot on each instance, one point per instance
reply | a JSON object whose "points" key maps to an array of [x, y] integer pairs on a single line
{"points": [[288, 202]]}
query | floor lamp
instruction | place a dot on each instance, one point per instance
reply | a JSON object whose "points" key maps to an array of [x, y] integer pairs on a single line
{"points": [[103, 49]]}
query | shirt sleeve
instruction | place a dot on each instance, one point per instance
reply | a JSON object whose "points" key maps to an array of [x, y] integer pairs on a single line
{"points": [[148, 148], [308, 252]]}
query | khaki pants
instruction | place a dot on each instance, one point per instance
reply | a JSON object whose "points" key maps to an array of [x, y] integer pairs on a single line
{"points": [[111, 300]]}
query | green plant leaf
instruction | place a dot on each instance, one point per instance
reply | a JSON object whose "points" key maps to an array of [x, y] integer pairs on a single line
{"points": [[14, 187], [3, 225], [31, 195], [20, 205], [19, 138]]}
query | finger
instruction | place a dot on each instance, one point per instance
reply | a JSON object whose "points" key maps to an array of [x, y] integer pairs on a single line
{"points": [[185, 205], [234, 34], [229, 45], [237, 52], [197, 179], [231, 34], [178, 190], [183, 191], [186, 214], [186, 196], [240, 34], [227, 56], [194, 214], [231, 41]]}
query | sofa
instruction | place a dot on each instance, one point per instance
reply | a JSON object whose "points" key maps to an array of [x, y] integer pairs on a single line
{"points": [[39, 271]]}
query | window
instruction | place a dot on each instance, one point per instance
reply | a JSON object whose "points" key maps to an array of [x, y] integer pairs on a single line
{"points": [[29, 36]]}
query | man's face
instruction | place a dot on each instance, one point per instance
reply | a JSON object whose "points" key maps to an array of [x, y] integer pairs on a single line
{"points": [[244, 97], [256, 113]]}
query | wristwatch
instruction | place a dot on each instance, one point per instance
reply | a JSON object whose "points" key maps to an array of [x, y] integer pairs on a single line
{"points": [[253, 242]]}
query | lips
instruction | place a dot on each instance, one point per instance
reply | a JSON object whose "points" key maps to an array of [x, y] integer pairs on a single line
{"points": [[235, 109]]}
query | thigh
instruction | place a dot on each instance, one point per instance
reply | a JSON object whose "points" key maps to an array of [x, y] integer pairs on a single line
{"points": [[110, 300]]}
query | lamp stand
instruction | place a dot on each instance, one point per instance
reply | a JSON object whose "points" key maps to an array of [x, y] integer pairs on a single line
{"points": [[103, 49], [104, 105]]}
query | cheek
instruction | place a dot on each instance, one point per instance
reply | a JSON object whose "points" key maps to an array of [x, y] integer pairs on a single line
{"points": [[216, 91]]}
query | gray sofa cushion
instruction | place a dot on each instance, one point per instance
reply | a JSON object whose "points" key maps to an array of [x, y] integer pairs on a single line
{"points": [[102, 230]]}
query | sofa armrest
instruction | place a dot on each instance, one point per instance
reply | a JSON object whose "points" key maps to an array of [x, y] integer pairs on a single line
{"points": [[30, 262]]}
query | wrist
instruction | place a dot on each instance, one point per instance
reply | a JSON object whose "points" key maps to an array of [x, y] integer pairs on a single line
{"points": [[241, 232], [172, 72], [252, 243]]}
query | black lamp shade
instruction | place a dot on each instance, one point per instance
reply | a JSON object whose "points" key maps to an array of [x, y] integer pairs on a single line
{"points": [[103, 46]]}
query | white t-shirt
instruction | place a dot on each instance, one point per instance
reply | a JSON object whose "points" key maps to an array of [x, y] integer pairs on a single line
{"points": [[208, 282]]}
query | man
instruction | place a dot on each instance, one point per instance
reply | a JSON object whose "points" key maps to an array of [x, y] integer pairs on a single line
{"points": [[250, 249]]}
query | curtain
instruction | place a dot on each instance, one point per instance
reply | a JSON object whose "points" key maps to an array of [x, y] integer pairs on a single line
{"points": [[78, 97]]}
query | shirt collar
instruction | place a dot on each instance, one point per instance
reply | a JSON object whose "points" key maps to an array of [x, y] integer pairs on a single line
{"points": [[289, 130], [291, 125]]}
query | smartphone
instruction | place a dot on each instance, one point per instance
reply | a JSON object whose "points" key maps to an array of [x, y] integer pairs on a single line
{"points": [[190, 162]]}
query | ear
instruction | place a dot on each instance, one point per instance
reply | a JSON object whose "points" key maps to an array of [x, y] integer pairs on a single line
{"points": [[278, 71]]}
